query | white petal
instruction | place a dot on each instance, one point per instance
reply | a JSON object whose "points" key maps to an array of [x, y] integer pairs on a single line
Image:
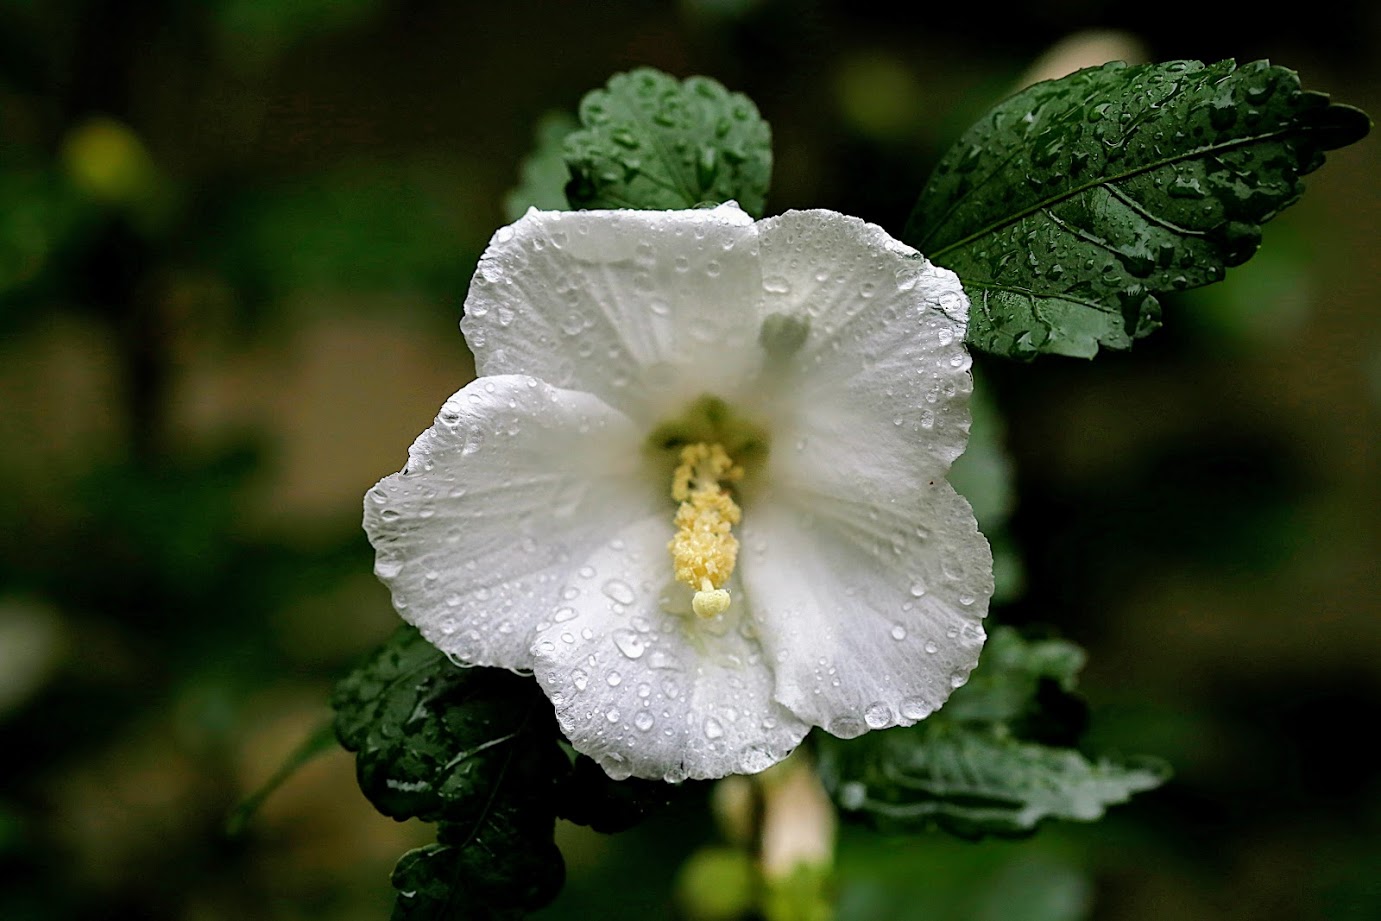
{"points": [[870, 603], [512, 486], [647, 689], [883, 364], [646, 309]]}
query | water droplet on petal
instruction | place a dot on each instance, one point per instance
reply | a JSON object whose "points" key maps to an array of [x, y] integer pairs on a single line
{"points": [[631, 644], [754, 760], [614, 679], [644, 720], [846, 727], [579, 679], [619, 591], [713, 730], [898, 632], [878, 715], [914, 708]]}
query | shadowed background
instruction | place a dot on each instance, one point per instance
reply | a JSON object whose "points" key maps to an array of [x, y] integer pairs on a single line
{"points": [[235, 238]]}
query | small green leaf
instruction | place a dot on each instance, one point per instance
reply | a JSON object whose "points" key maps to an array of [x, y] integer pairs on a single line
{"points": [[1074, 203], [994, 759], [650, 141], [543, 175]]}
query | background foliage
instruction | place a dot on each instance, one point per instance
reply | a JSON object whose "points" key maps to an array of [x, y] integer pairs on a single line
{"points": [[234, 242]]}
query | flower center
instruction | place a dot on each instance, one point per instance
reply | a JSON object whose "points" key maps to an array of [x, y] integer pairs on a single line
{"points": [[704, 549]]}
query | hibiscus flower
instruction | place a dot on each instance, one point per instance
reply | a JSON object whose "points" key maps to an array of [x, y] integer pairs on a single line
{"points": [[698, 488]]}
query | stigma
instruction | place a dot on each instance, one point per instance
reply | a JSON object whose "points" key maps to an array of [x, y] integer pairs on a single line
{"points": [[704, 550]]}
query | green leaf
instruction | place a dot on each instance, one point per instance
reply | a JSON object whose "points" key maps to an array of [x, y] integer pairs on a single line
{"points": [[984, 764], [501, 868], [650, 141], [974, 782], [543, 175], [434, 739], [1072, 205], [473, 748], [588, 796]]}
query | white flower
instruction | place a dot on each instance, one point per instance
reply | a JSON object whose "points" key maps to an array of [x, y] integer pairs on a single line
{"points": [[800, 385]]}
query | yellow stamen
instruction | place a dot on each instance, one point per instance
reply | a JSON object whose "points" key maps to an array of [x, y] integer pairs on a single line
{"points": [[704, 549]]}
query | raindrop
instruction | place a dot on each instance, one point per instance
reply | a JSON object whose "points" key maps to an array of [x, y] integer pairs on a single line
{"points": [[631, 644], [846, 727], [931, 648], [914, 708], [917, 589], [713, 730], [579, 679], [898, 632], [878, 715], [612, 715], [644, 721], [754, 760], [613, 679], [619, 591]]}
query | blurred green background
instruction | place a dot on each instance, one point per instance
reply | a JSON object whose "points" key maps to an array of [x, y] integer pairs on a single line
{"points": [[235, 237]]}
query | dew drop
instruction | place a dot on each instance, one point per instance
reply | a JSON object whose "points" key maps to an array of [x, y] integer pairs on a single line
{"points": [[931, 648], [631, 644], [619, 591], [612, 715], [898, 632], [579, 679], [644, 721], [914, 708], [846, 727], [755, 760], [713, 730], [878, 715], [917, 589]]}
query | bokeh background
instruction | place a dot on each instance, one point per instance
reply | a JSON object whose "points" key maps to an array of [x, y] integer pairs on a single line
{"points": [[235, 237]]}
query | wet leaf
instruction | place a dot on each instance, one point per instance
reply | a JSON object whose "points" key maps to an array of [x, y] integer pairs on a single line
{"points": [[1073, 204], [590, 797], [431, 737], [974, 781], [474, 749], [995, 760], [650, 141]]}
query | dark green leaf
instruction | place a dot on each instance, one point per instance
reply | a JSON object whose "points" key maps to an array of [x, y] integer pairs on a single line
{"points": [[973, 781], [543, 175], [500, 869], [473, 748], [1074, 203], [650, 141], [589, 797], [433, 738], [985, 763]]}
